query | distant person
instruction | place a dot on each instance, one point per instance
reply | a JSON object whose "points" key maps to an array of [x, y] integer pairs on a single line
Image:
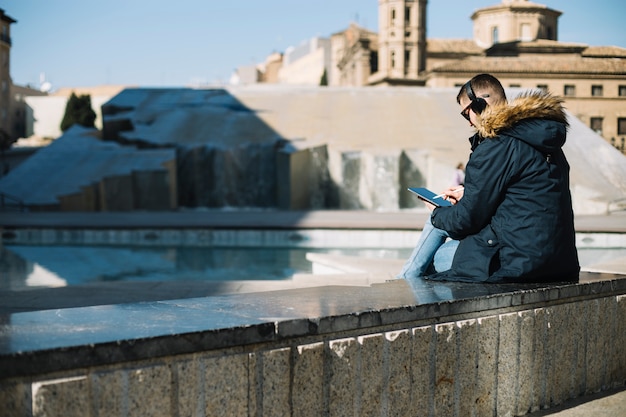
{"points": [[459, 176], [513, 222]]}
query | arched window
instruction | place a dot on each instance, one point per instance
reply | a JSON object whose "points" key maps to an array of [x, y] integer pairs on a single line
{"points": [[494, 35]]}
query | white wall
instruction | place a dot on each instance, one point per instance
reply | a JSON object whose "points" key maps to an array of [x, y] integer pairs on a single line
{"points": [[44, 114]]}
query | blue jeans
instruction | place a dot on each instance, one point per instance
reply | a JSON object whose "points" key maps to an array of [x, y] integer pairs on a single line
{"points": [[433, 253]]}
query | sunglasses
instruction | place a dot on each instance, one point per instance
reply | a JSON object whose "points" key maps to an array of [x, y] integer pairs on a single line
{"points": [[465, 112]]}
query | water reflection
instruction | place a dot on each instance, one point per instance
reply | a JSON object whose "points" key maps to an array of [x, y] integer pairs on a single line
{"points": [[432, 292], [53, 266], [25, 266], [28, 266]]}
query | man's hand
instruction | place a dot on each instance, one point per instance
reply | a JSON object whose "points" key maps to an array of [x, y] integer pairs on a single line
{"points": [[453, 194], [429, 206]]}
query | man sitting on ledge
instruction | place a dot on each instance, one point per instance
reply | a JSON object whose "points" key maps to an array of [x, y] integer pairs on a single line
{"points": [[513, 221]]}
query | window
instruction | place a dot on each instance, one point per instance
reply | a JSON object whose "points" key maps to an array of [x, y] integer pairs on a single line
{"points": [[407, 16], [621, 91], [494, 35], [393, 17], [595, 123], [407, 60], [373, 62], [621, 126], [569, 90], [515, 85], [596, 91], [525, 34], [542, 87], [393, 59]]}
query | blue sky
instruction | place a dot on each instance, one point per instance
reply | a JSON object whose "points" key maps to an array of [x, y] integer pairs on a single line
{"points": [[81, 43]]}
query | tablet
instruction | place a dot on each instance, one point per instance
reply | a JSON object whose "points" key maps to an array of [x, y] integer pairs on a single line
{"points": [[427, 195]]}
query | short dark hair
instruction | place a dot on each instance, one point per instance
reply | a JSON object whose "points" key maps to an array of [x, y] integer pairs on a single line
{"points": [[484, 82]]}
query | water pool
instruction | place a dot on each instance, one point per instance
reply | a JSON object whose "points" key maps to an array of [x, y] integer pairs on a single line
{"points": [[57, 258], [26, 266]]}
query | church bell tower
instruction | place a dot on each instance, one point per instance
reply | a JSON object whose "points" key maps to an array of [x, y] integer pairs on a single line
{"points": [[402, 40]]}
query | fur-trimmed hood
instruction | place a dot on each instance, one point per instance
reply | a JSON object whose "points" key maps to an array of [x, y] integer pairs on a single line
{"points": [[535, 117]]}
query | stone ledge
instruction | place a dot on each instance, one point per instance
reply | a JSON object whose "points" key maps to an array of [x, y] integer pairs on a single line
{"points": [[36, 343]]}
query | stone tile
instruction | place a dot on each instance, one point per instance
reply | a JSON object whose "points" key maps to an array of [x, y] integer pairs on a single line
{"points": [[372, 373], [619, 342], [307, 392], [188, 384], [605, 333], [68, 397], [422, 371], [561, 346], [275, 382], [254, 384], [467, 366], [508, 367], [578, 330], [344, 377], [539, 367], [149, 391], [399, 363], [595, 346], [445, 369], [16, 399], [109, 393], [526, 359], [226, 385], [485, 392]]}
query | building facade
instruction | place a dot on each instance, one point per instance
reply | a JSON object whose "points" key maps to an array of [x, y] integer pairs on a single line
{"points": [[514, 20], [354, 56], [306, 63], [6, 119], [516, 40]]}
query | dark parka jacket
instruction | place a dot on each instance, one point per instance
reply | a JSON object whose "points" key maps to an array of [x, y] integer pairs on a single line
{"points": [[515, 221]]}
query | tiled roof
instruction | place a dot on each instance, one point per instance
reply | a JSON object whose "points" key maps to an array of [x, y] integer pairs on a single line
{"points": [[552, 64], [465, 46], [541, 44], [605, 51], [516, 5]]}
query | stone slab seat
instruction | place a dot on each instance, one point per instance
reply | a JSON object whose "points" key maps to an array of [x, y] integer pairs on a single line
{"points": [[455, 349]]}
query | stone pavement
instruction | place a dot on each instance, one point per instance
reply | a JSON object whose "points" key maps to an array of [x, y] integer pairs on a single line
{"points": [[609, 403]]}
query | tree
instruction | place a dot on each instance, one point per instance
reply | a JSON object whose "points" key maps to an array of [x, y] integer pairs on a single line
{"points": [[324, 79], [78, 111]]}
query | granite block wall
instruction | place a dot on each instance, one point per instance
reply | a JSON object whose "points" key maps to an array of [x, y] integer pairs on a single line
{"points": [[502, 364]]}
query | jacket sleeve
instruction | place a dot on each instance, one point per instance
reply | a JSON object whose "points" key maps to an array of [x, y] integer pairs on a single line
{"points": [[486, 175]]}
